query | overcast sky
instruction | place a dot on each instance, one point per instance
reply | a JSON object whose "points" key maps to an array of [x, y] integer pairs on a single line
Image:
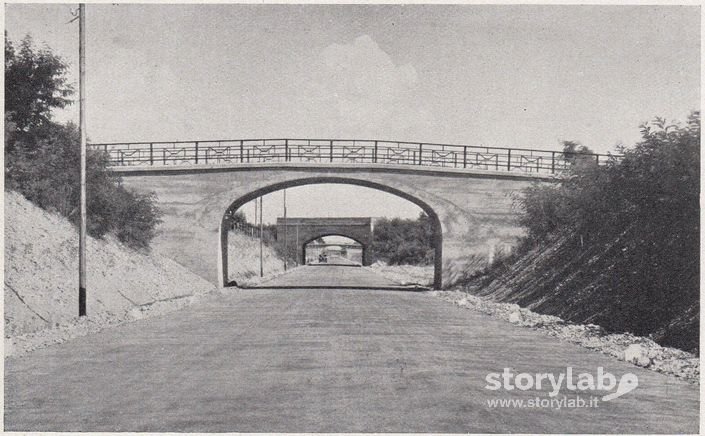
{"points": [[506, 76]]}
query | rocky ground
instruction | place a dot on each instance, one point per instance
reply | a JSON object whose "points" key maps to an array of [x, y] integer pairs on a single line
{"points": [[640, 351]]}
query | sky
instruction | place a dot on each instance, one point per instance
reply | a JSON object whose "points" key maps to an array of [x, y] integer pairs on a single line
{"points": [[507, 76], [332, 201]]}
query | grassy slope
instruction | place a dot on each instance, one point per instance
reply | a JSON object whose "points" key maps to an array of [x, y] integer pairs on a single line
{"points": [[576, 283]]}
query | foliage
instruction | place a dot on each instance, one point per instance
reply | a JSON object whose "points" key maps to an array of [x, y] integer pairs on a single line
{"points": [[35, 83], [43, 157], [640, 210], [400, 241], [237, 220]]}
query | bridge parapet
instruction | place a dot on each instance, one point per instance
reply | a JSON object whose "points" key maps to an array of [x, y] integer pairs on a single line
{"points": [[177, 154]]}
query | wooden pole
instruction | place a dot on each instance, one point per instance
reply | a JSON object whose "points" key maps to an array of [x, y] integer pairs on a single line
{"points": [[82, 133], [286, 239], [261, 263]]}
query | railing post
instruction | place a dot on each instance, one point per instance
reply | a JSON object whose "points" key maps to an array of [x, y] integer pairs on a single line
{"points": [[597, 159], [331, 150], [151, 153], [465, 156], [553, 162], [242, 157], [286, 150], [420, 153], [374, 156], [196, 151], [509, 159]]}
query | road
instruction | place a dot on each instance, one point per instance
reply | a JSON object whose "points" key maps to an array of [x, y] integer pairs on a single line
{"points": [[329, 275], [321, 360]]}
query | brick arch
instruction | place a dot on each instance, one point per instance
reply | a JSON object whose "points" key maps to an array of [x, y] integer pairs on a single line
{"points": [[364, 245], [437, 236]]}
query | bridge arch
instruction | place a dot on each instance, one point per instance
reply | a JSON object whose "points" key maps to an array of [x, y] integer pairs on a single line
{"points": [[364, 245], [437, 235]]}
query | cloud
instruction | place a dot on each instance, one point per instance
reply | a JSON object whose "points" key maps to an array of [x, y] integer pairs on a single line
{"points": [[371, 95], [361, 70]]}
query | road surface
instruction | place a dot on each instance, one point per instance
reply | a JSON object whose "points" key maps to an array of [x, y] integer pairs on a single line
{"points": [[321, 360], [329, 275]]}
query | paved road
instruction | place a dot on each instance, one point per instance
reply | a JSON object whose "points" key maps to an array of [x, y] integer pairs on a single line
{"points": [[320, 361], [329, 275], [338, 260]]}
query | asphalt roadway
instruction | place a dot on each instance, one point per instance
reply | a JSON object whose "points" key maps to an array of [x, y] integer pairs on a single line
{"points": [[323, 275], [323, 360]]}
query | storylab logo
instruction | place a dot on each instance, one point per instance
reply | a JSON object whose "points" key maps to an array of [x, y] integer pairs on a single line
{"points": [[568, 380]]}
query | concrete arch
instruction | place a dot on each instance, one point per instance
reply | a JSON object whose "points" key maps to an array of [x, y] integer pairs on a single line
{"points": [[437, 236], [323, 235]]}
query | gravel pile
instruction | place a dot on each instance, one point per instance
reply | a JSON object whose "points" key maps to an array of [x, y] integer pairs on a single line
{"points": [[638, 350]]}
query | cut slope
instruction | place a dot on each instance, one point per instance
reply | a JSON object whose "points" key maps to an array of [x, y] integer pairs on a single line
{"points": [[243, 259], [41, 274], [579, 284]]}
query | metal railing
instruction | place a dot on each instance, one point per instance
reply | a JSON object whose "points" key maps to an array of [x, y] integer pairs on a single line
{"points": [[340, 151]]}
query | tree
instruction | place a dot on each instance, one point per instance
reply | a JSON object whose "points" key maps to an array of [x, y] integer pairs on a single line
{"points": [[43, 157], [403, 241], [35, 84]]}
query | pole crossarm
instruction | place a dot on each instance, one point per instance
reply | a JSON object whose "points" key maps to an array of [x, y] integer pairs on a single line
{"points": [[342, 152]]}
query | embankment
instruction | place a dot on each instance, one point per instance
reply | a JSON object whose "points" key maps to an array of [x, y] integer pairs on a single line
{"points": [[243, 259], [579, 284], [41, 280]]}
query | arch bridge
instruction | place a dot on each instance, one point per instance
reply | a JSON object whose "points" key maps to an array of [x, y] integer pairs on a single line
{"points": [[466, 191], [298, 232]]}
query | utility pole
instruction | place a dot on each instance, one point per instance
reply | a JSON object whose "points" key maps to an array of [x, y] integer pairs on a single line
{"points": [[286, 232], [297, 246], [261, 264], [82, 133]]}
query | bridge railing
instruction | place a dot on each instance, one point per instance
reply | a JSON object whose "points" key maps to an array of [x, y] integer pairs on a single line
{"points": [[337, 151]]}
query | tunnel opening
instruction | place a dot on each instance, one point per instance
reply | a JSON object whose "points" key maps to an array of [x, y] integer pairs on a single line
{"points": [[333, 249], [227, 260]]}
